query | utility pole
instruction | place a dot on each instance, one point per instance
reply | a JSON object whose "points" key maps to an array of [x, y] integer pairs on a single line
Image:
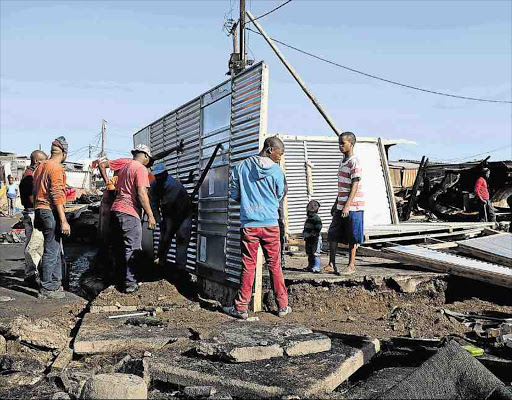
{"points": [[90, 151], [243, 56], [296, 76], [39, 146], [103, 137]]}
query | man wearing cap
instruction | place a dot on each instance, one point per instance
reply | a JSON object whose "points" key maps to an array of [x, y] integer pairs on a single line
{"points": [[50, 218], [131, 198], [172, 206]]}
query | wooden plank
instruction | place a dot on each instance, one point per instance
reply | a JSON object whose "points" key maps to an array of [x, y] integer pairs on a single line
{"points": [[412, 198], [257, 295], [453, 264], [443, 245], [389, 185]]}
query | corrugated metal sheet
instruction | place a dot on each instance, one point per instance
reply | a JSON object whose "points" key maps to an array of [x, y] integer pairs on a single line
{"points": [[248, 127], [324, 154], [453, 264], [241, 137]]}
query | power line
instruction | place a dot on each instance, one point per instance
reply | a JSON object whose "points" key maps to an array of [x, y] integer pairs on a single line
{"points": [[480, 154], [383, 79], [271, 11]]}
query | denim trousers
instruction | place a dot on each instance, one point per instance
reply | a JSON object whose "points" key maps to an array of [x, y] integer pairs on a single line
{"points": [[11, 203], [49, 224], [170, 229], [127, 241]]}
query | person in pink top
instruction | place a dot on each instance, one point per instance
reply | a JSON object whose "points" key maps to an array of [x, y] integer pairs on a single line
{"points": [[131, 198]]}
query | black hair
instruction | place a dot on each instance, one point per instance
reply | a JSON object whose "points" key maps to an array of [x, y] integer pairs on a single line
{"points": [[313, 207], [350, 136], [273, 142], [34, 154]]}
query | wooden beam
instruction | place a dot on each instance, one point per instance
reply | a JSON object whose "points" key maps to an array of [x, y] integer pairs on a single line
{"points": [[387, 180], [257, 295]]}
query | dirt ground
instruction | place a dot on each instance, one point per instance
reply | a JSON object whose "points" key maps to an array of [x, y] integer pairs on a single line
{"points": [[359, 311]]}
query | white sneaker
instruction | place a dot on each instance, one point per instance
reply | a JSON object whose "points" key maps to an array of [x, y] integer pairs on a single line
{"points": [[284, 311]]}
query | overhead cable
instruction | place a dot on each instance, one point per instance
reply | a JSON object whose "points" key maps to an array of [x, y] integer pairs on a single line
{"points": [[271, 11], [480, 154], [383, 79]]}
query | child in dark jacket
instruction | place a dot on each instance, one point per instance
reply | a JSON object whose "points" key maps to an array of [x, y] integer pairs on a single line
{"points": [[312, 236]]}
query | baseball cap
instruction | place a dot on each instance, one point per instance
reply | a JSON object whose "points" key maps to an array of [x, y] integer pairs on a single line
{"points": [[142, 148], [159, 168], [61, 143]]}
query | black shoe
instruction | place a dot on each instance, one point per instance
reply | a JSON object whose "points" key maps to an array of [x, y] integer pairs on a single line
{"points": [[32, 281]]}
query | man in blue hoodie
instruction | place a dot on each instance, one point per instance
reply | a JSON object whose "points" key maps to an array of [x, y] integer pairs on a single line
{"points": [[258, 184]]}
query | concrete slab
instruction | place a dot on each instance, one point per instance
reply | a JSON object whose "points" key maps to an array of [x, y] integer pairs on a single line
{"points": [[98, 334], [44, 323], [241, 342], [305, 376], [368, 268]]}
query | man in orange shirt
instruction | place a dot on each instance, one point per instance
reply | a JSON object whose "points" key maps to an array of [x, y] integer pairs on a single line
{"points": [[50, 218]]}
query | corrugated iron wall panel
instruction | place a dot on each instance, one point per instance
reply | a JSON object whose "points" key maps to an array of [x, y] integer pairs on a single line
{"points": [[248, 96], [248, 127], [325, 156], [297, 197]]}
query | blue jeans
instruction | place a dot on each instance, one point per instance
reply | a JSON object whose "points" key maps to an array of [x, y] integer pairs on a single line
{"points": [[48, 223], [313, 250], [127, 238], [168, 229]]}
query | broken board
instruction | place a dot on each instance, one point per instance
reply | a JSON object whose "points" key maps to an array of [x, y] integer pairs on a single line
{"points": [[495, 248], [452, 264], [304, 376]]}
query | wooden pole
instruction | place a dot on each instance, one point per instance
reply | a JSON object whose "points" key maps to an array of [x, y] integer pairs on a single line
{"points": [[295, 75]]}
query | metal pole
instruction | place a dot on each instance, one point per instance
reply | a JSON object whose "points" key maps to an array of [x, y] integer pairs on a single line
{"points": [[295, 76], [242, 33], [103, 136], [90, 149]]}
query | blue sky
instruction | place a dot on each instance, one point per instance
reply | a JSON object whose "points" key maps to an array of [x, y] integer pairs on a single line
{"points": [[65, 65]]}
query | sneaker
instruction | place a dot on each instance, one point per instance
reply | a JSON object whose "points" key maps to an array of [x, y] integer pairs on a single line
{"points": [[316, 271], [131, 288], [233, 312], [284, 311], [51, 294]]}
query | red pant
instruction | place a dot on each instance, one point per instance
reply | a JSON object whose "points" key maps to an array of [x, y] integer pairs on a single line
{"points": [[269, 239]]}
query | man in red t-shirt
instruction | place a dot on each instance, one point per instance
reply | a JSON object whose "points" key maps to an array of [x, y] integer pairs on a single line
{"points": [[131, 198], [487, 213]]}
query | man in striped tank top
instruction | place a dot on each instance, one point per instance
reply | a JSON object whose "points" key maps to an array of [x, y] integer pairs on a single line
{"points": [[348, 210]]}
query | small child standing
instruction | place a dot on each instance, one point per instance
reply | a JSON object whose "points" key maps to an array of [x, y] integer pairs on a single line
{"points": [[312, 236]]}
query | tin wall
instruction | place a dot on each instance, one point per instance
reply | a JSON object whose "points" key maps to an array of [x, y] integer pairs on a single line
{"points": [[233, 115], [324, 156]]}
